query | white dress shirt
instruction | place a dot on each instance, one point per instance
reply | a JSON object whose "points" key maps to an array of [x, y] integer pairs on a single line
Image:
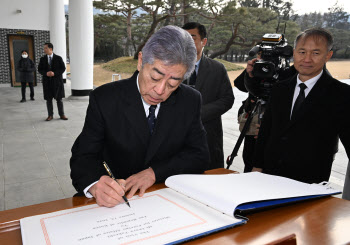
{"points": [[146, 107], [48, 58], [309, 83]]}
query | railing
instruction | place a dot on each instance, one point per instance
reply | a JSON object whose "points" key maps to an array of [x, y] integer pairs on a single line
{"points": [[114, 75]]}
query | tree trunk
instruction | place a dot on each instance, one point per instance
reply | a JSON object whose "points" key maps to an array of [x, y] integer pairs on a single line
{"points": [[128, 30], [153, 27], [210, 28], [171, 11], [150, 33], [228, 44], [185, 6]]}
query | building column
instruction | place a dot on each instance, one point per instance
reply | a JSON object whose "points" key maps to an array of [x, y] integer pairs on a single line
{"points": [[58, 30], [81, 46]]}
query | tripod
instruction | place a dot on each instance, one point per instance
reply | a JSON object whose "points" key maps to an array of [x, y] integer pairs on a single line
{"points": [[257, 109]]}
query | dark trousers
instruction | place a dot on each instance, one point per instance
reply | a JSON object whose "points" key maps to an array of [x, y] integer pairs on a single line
{"points": [[248, 152], [24, 85], [59, 107]]}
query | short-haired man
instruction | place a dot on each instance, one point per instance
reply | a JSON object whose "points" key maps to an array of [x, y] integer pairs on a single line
{"points": [[51, 67], [305, 116], [145, 128], [211, 80]]}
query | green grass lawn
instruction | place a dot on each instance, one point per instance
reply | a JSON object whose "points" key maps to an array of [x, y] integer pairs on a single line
{"points": [[128, 65], [230, 66], [121, 65]]}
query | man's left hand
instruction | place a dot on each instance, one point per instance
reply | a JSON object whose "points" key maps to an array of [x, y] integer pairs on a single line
{"points": [[140, 181]]}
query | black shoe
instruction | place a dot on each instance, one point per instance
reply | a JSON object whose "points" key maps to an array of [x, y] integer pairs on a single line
{"points": [[23, 100], [32, 98]]}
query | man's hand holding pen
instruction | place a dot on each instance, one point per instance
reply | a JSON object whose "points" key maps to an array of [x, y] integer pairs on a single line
{"points": [[108, 192]]}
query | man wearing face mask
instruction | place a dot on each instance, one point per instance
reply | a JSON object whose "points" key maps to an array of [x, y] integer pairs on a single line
{"points": [[146, 128], [211, 80], [51, 66], [26, 68]]}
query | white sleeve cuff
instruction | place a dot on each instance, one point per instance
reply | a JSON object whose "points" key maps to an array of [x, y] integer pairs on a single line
{"points": [[86, 190]]}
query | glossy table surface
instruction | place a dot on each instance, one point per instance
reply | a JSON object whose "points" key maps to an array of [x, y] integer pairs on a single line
{"points": [[321, 221]]}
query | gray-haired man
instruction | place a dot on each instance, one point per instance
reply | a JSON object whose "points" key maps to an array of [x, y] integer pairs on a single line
{"points": [[306, 116], [146, 128]]}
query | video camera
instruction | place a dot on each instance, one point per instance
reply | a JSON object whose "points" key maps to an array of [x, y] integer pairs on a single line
{"points": [[275, 55], [273, 64]]}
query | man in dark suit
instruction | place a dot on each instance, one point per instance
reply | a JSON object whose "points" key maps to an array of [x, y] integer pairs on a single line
{"points": [[146, 128], [51, 67], [305, 116], [211, 80]]}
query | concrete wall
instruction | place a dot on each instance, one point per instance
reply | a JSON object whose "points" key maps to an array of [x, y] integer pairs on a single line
{"points": [[28, 18]]}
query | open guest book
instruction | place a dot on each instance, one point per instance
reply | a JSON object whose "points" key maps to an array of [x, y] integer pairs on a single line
{"points": [[192, 206]]}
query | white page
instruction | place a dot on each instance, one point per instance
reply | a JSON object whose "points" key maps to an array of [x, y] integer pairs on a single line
{"points": [[159, 217], [226, 192]]}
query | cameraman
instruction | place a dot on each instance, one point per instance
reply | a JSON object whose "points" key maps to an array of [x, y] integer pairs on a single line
{"points": [[248, 105]]}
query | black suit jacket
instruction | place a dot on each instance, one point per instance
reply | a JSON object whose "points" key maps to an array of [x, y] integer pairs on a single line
{"points": [[303, 148], [52, 86], [26, 67], [217, 98], [116, 131]]}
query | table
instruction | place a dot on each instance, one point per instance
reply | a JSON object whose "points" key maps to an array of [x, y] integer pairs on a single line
{"points": [[321, 221]]}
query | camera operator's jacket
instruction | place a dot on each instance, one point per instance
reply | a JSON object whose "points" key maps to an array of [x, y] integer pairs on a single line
{"points": [[303, 148]]}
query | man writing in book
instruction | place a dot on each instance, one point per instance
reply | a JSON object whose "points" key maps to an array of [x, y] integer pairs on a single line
{"points": [[306, 115], [146, 128]]}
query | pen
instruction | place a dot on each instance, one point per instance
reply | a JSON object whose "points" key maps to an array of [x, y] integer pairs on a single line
{"points": [[112, 176]]}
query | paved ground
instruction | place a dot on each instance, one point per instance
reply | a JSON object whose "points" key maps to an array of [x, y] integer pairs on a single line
{"points": [[34, 154]]}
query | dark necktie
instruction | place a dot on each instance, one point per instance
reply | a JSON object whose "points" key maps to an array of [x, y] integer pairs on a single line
{"points": [[193, 77], [299, 100], [152, 118], [50, 60]]}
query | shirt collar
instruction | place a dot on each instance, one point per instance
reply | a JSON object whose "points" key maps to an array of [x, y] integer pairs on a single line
{"points": [[311, 82], [197, 65], [51, 55], [145, 104]]}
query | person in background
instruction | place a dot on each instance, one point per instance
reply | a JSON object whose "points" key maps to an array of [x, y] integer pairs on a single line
{"points": [[249, 138], [248, 106], [306, 116], [26, 68], [51, 67], [211, 80]]}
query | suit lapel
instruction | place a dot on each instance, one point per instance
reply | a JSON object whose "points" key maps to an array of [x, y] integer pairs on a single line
{"points": [[165, 120], [201, 73], [287, 100], [316, 95], [46, 60], [54, 58], [134, 110]]}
